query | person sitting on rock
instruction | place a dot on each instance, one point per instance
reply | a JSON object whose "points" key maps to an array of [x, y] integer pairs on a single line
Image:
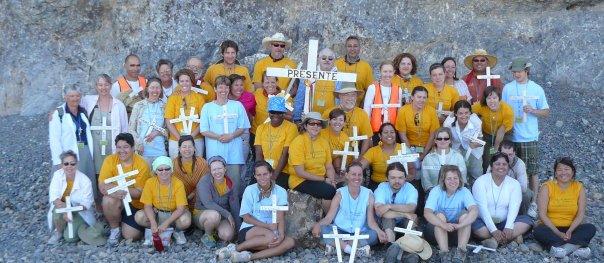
{"points": [[442, 154], [218, 201], [337, 138], [351, 208], [450, 210], [562, 211], [377, 156], [352, 63], [113, 207], [395, 200], [165, 203], [189, 169], [258, 232], [498, 197], [276, 44], [477, 63], [69, 181]]}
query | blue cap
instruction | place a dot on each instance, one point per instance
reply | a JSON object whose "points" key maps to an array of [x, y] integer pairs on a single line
{"points": [[276, 103]]}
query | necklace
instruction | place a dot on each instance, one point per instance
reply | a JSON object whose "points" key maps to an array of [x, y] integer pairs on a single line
{"points": [[165, 206], [353, 214], [493, 186]]}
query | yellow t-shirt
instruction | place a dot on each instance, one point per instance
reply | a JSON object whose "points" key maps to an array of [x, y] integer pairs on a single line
{"points": [[188, 166], [418, 134], [220, 70], [164, 197], [356, 117], [492, 120], [67, 191], [377, 158], [109, 169], [175, 102], [221, 188], [312, 155], [267, 62], [408, 85], [324, 97], [262, 109], [272, 140], [336, 142], [563, 204], [363, 71], [448, 96]]}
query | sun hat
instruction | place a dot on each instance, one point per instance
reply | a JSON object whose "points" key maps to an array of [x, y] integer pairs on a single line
{"points": [[519, 64], [276, 103], [415, 244], [161, 160], [492, 60], [346, 87], [314, 116], [277, 37], [93, 235]]}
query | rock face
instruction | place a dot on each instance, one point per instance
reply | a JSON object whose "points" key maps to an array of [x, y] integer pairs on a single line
{"points": [[46, 45], [304, 211]]}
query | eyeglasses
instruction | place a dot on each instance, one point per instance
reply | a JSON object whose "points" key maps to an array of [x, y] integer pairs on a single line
{"points": [[327, 58], [164, 169], [442, 138], [313, 124], [279, 45], [68, 164], [479, 60]]}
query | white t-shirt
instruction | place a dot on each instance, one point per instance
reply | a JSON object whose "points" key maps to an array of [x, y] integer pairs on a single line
{"points": [[115, 87], [497, 203]]}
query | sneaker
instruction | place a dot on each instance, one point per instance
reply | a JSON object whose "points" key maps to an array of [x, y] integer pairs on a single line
{"points": [[445, 256], [519, 240], [148, 238], [532, 210], [584, 253], [392, 254], [114, 236], [329, 250], [208, 241], [55, 237], [225, 252], [243, 256], [364, 252], [557, 252], [459, 255], [490, 243], [180, 237]]}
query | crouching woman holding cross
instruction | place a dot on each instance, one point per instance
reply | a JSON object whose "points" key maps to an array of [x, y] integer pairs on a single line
{"points": [[351, 208]]}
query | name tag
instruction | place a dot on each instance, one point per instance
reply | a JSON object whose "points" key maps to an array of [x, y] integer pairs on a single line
{"points": [[80, 145], [103, 142], [497, 220], [321, 103], [492, 151]]}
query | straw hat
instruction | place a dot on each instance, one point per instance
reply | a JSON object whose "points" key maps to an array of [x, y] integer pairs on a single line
{"points": [[415, 244], [492, 60], [277, 37], [93, 235]]}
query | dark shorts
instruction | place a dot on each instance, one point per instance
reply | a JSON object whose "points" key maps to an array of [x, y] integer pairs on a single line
{"points": [[129, 220], [242, 233], [478, 223], [430, 237], [319, 190], [529, 153]]}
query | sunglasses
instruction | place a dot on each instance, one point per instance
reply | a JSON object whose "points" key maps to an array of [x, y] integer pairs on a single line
{"points": [[68, 164], [479, 60], [279, 45], [442, 138], [164, 169], [313, 124], [327, 58]]}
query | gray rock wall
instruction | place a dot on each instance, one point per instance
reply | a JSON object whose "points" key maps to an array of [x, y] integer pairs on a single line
{"points": [[45, 45]]}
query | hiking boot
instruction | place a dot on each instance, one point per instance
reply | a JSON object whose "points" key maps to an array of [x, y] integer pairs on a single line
{"points": [[445, 256], [329, 250], [114, 236], [225, 252], [243, 256], [557, 252], [55, 238], [459, 255], [208, 240], [180, 237], [584, 253], [490, 243], [364, 252]]}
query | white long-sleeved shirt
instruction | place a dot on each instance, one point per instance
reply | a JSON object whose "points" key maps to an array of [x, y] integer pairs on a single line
{"points": [[119, 116], [497, 203], [434, 160], [460, 136], [81, 194], [518, 172]]}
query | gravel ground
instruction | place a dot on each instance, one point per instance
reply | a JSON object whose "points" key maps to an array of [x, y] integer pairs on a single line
{"points": [[574, 129]]}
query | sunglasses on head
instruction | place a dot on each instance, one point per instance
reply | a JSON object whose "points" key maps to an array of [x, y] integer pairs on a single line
{"points": [[479, 60], [69, 164], [442, 138], [164, 169], [279, 45]]}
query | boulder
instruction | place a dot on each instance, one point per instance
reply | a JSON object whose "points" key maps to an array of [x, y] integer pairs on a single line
{"points": [[304, 211]]}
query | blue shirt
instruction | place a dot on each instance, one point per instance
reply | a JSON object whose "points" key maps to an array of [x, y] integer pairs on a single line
{"points": [[251, 202], [232, 151], [352, 213], [80, 124], [299, 99], [525, 131], [406, 195], [450, 206], [153, 112]]}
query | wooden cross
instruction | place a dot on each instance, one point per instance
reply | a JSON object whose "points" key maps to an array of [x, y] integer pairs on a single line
{"points": [[187, 121], [153, 126], [355, 242], [480, 247], [288, 105], [311, 73], [355, 138], [403, 157], [336, 236], [488, 76], [103, 128], [524, 99], [274, 208], [200, 91], [384, 108], [440, 110], [408, 230], [122, 185], [225, 116], [68, 209], [345, 153], [474, 138]]}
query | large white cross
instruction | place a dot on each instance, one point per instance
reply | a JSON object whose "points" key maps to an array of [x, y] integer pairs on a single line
{"points": [[288, 104], [122, 185], [345, 153], [408, 230], [440, 110], [488, 76], [68, 209], [225, 116], [355, 138], [311, 73], [403, 157], [274, 208], [524, 99], [384, 107], [103, 128], [474, 138], [199, 90], [187, 121], [480, 247], [153, 126], [355, 242], [336, 236]]}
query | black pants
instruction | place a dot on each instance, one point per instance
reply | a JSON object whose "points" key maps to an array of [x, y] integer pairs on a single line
{"points": [[317, 189], [421, 197], [581, 236], [431, 238]]}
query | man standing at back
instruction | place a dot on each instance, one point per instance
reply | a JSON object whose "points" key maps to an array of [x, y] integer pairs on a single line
{"points": [[477, 63], [196, 65], [276, 44], [132, 80], [352, 63]]}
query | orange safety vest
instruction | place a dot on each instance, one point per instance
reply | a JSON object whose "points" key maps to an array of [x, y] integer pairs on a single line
{"points": [[376, 113], [124, 86]]}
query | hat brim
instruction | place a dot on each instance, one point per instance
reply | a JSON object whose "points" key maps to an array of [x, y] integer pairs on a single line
{"points": [[266, 42], [323, 122], [346, 90], [491, 59], [426, 252], [528, 65], [88, 238]]}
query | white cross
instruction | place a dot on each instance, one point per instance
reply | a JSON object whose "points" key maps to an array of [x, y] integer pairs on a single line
{"points": [[288, 104], [480, 247], [403, 157], [291, 81], [442, 157], [408, 230], [200, 91], [355, 243], [345, 153], [384, 108], [474, 138], [103, 128], [336, 236], [355, 138], [68, 209], [274, 208], [440, 110], [488, 76], [225, 116], [153, 126], [406, 95], [187, 121], [122, 185], [524, 99], [310, 73]]}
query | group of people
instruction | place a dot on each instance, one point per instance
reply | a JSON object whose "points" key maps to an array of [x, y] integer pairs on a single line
{"points": [[167, 153]]}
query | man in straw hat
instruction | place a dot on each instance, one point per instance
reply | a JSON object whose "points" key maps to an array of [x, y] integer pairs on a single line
{"points": [[276, 44], [477, 63], [528, 100]]}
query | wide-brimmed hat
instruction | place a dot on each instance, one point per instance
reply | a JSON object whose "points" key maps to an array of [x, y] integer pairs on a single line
{"points": [[93, 235], [314, 116], [519, 64], [346, 87], [492, 60], [276, 103], [414, 244], [277, 37]]}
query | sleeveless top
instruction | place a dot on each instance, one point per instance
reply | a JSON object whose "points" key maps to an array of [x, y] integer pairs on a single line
{"points": [[563, 204], [352, 213]]}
